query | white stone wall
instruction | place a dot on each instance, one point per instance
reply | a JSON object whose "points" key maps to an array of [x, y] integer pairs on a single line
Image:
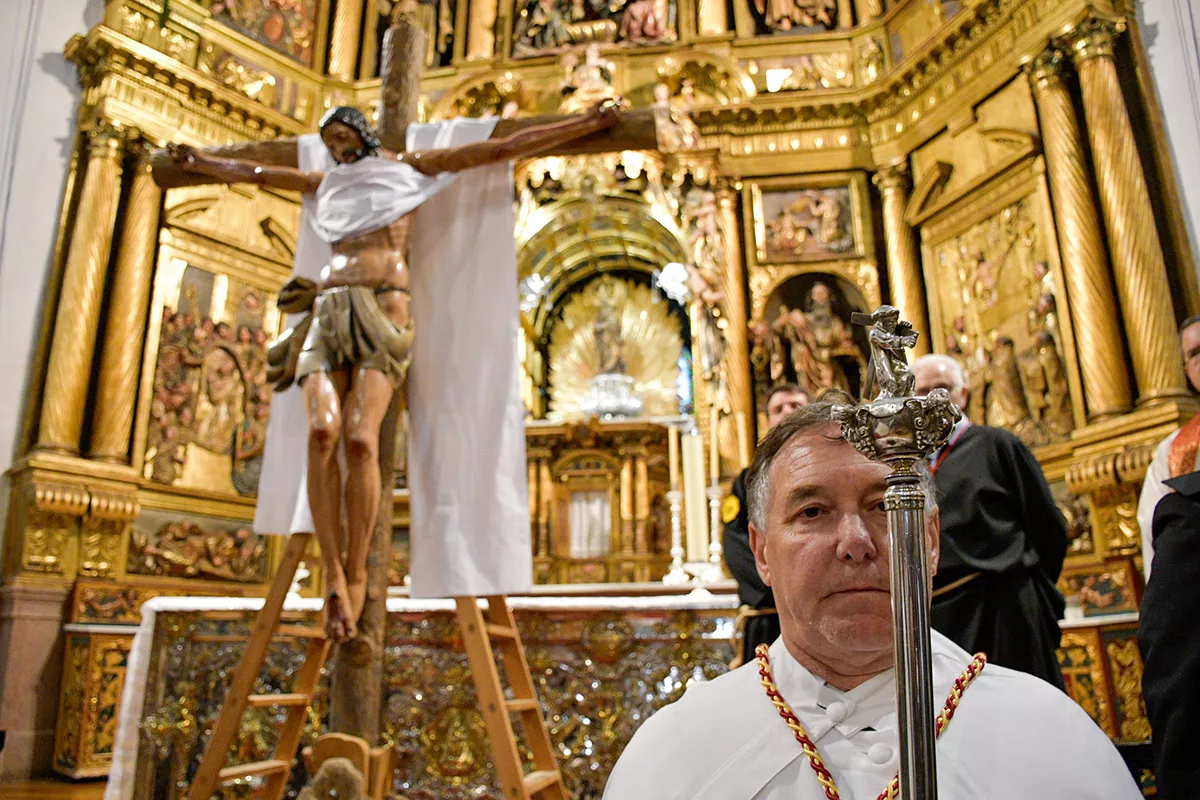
{"points": [[1171, 31], [38, 97]]}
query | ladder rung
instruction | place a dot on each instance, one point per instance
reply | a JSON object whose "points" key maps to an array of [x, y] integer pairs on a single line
{"points": [[256, 768], [291, 699], [542, 779], [524, 704], [220, 638], [500, 631], [301, 631]]}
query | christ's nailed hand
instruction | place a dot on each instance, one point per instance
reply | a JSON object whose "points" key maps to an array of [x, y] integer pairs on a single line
{"points": [[182, 154]]}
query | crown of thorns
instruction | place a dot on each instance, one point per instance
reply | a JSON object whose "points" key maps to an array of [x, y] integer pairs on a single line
{"points": [[355, 120]]}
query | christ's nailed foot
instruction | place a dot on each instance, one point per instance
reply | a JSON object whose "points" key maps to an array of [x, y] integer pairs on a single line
{"points": [[357, 590], [339, 621]]}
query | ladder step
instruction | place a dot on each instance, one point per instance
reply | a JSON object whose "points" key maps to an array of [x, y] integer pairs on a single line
{"points": [[264, 700], [523, 704], [257, 768], [500, 631], [542, 779], [301, 631]]}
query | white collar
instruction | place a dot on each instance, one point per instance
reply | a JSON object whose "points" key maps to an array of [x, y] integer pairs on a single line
{"points": [[871, 704]]}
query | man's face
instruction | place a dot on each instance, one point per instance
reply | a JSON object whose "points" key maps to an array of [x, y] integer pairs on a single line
{"points": [[932, 375], [825, 551], [343, 142], [1190, 340], [783, 403]]}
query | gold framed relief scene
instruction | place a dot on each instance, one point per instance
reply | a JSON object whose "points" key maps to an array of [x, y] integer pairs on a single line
{"points": [[205, 394], [996, 304], [812, 218]]}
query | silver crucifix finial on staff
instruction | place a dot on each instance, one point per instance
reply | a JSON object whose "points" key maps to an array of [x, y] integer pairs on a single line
{"points": [[893, 426]]}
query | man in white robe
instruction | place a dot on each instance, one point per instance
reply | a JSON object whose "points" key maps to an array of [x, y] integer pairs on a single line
{"points": [[1163, 468], [819, 533]]}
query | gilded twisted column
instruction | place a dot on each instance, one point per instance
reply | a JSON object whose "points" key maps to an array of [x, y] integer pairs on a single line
{"points": [[903, 258], [78, 316], [1139, 266], [737, 353], [343, 44], [1081, 241], [112, 419]]}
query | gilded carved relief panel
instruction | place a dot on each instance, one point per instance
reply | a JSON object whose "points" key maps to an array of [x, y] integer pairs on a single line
{"points": [[205, 548], [289, 27], [93, 679], [1125, 665], [811, 264], [996, 305], [208, 416], [1081, 661], [542, 27]]}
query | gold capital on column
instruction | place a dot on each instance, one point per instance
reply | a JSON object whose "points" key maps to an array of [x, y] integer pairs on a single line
{"points": [[903, 259], [1137, 257], [737, 354], [112, 420], [343, 44], [1081, 242], [64, 395]]}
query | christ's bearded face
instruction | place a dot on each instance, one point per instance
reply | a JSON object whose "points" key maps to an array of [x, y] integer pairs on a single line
{"points": [[343, 143]]}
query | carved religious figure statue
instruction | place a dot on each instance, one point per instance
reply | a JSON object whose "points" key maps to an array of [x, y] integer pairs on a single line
{"points": [[587, 82], [675, 126], [355, 350], [1006, 404], [642, 23], [607, 328], [783, 15], [820, 340], [541, 28], [888, 375]]}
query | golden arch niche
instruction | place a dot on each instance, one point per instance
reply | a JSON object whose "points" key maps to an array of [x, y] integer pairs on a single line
{"points": [[586, 262]]}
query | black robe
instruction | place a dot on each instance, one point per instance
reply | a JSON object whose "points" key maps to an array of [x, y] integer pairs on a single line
{"points": [[1169, 637], [740, 560], [998, 519]]}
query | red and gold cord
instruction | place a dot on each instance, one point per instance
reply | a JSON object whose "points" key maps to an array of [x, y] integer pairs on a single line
{"points": [[810, 750]]}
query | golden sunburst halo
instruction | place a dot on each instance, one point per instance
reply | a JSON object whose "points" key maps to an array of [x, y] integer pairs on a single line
{"points": [[651, 344]]}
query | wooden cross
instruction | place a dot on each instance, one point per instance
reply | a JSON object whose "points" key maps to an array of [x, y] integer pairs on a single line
{"points": [[356, 686]]}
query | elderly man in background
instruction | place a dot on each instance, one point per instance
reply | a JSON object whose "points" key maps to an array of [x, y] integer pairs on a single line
{"points": [[819, 533], [1003, 540], [1175, 455], [757, 621]]}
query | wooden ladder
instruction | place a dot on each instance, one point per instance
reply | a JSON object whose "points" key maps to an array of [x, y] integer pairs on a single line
{"points": [[482, 636], [212, 771], [479, 633]]}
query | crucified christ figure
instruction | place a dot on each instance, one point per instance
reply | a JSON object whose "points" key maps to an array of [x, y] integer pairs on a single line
{"points": [[357, 347]]}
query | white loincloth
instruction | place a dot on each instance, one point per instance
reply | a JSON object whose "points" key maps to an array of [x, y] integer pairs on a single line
{"points": [[466, 453]]}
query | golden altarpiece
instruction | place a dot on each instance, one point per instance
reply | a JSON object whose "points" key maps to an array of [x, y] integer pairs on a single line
{"points": [[983, 165]]}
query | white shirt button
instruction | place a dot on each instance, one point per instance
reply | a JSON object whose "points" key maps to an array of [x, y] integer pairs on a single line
{"points": [[879, 753], [837, 711]]}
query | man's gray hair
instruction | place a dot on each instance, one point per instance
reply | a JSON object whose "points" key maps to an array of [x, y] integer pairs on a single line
{"points": [[951, 364], [809, 419]]}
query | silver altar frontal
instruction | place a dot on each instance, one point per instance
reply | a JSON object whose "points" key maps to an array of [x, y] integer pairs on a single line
{"points": [[901, 431]]}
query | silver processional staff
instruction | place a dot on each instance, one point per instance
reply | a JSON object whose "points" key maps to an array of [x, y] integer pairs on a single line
{"points": [[901, 430]]}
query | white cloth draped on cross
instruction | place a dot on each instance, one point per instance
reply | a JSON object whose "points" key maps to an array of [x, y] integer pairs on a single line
{"points": [[470, 523]]}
